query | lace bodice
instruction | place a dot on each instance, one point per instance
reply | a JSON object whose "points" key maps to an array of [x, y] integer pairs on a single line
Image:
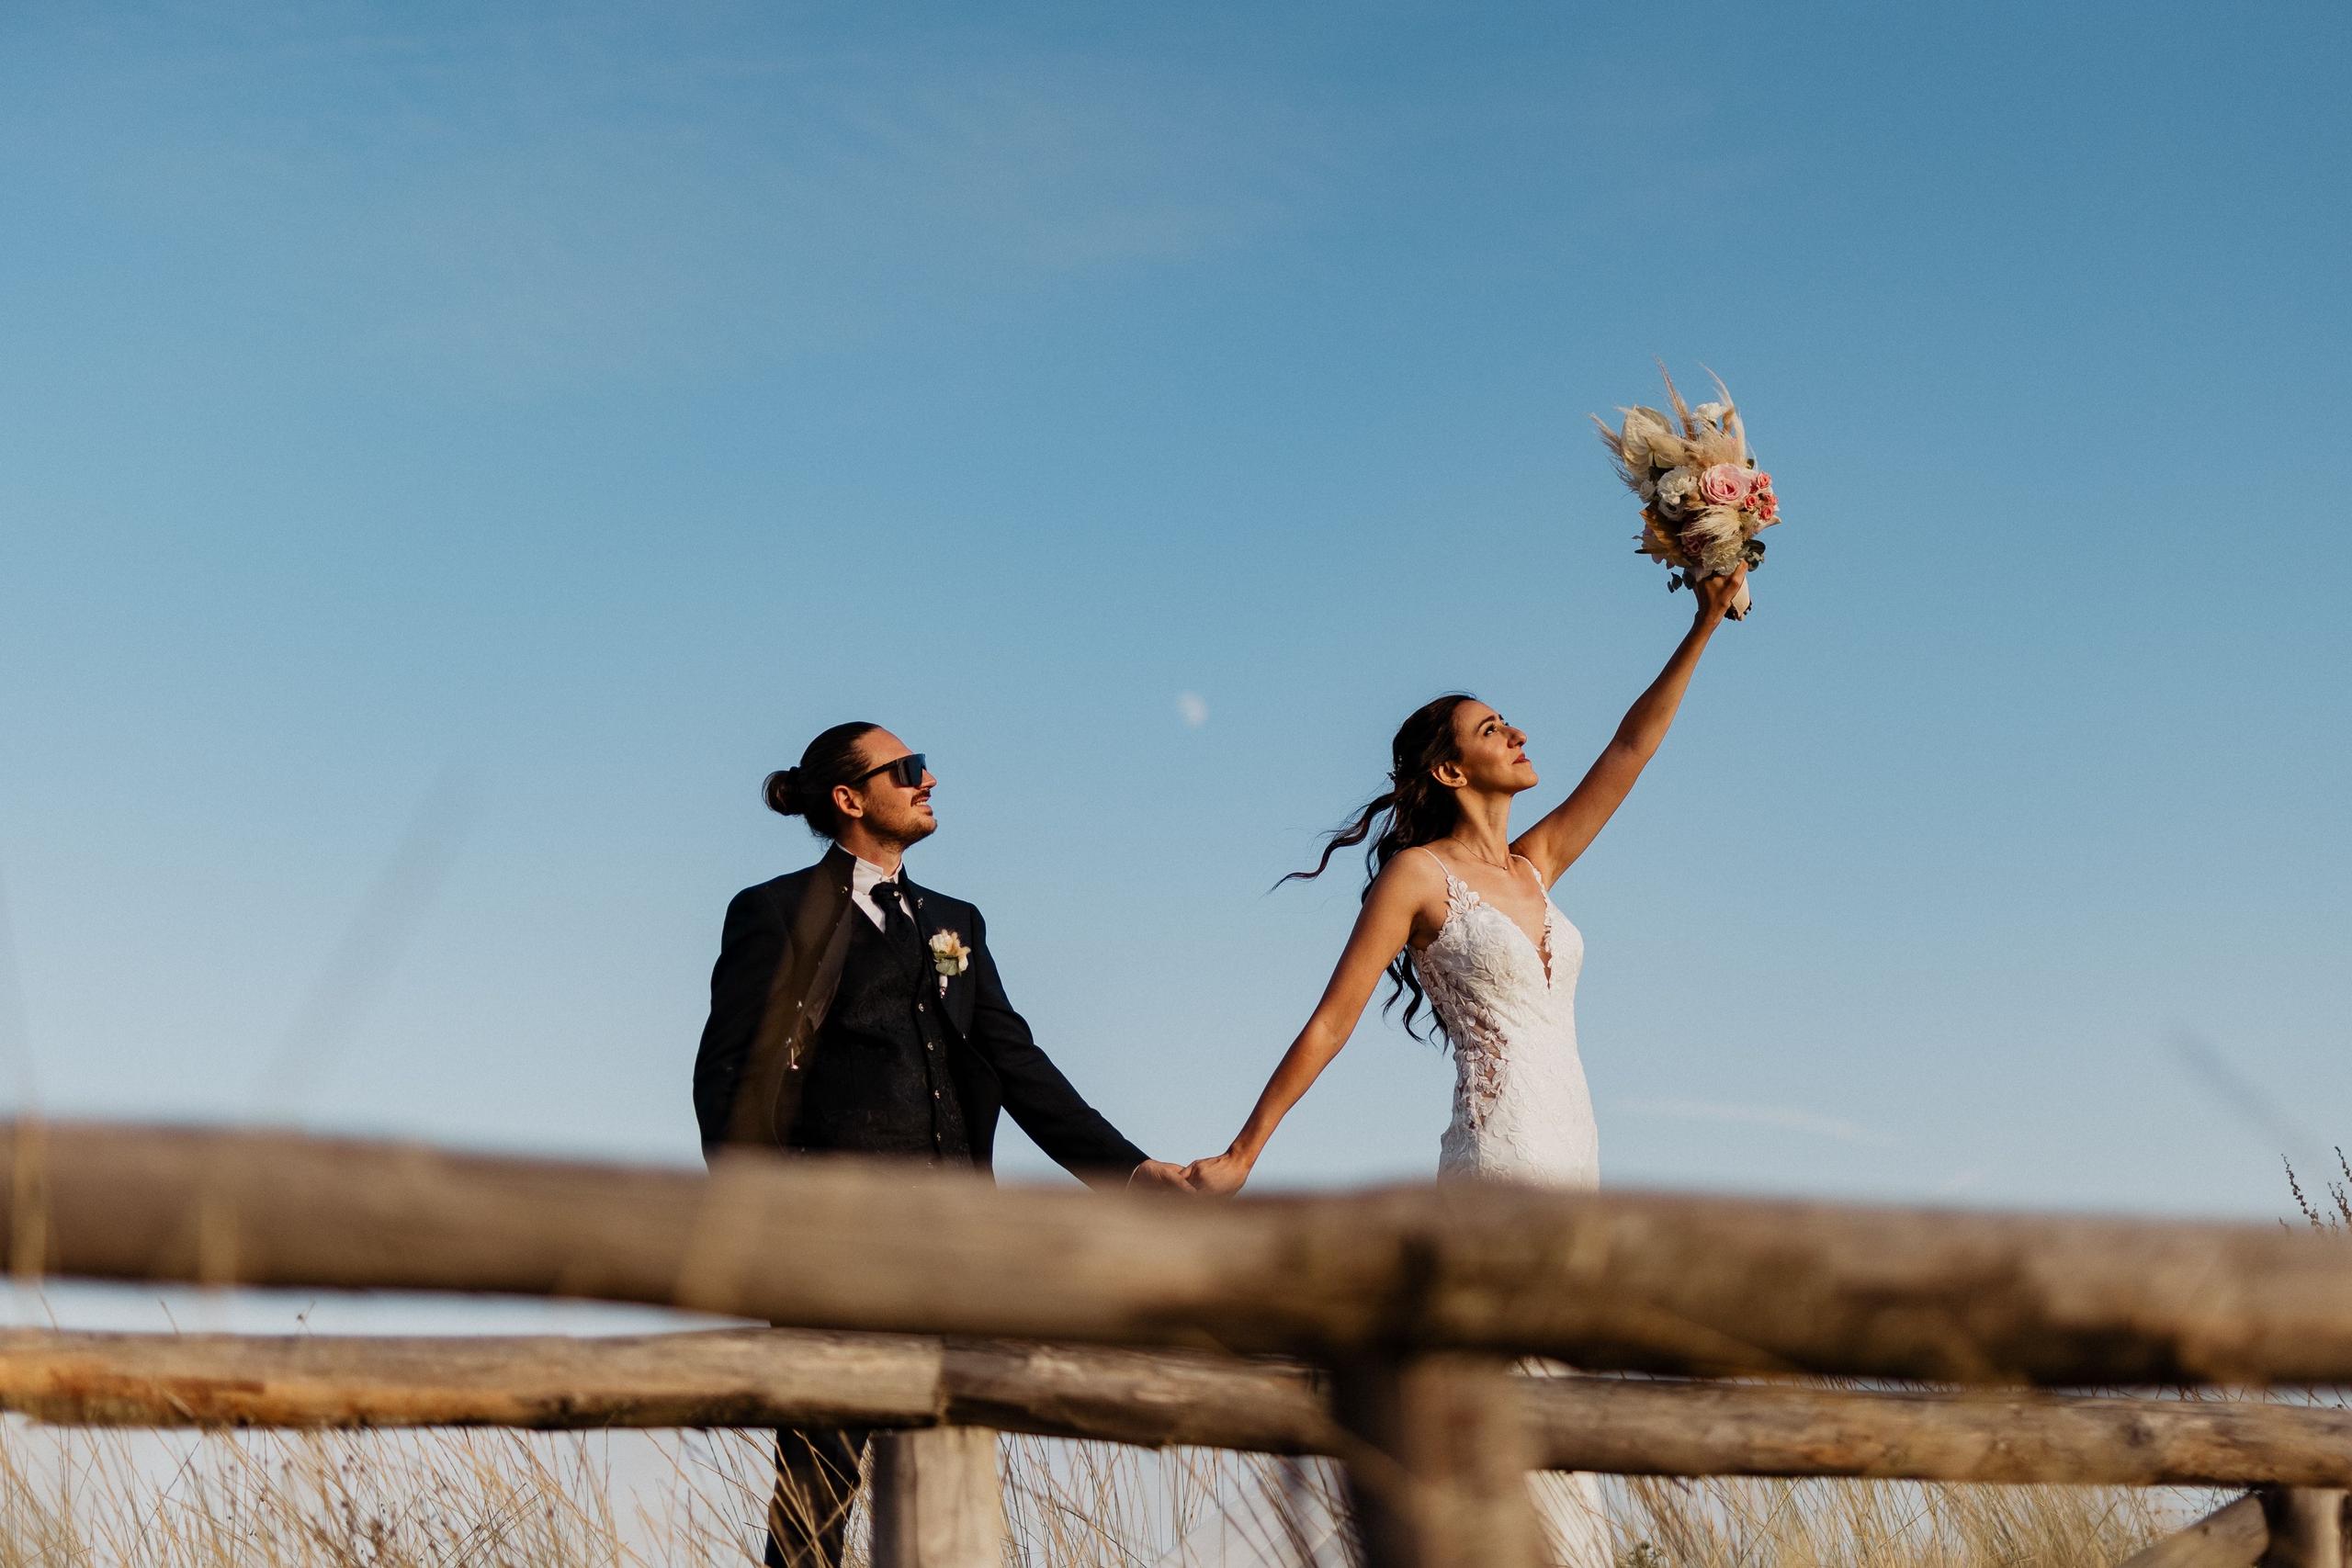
{"points": [[1520, 1106]]}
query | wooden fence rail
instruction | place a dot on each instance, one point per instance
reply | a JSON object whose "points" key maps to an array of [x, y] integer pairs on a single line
{"points": [[1415, 1300], [1610, 1282], [757, 1378]]}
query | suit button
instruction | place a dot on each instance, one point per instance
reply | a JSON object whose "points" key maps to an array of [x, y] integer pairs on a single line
{"points": [[929, 1046], [934, 1094]]}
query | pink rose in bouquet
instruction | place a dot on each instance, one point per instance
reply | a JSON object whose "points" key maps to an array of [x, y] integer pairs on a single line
{"points": [[1726, 484]]}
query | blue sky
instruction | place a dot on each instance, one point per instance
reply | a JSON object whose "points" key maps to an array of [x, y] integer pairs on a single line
{"points": [[448, 454]]}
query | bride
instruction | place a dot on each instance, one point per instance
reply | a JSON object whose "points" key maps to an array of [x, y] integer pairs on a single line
{"points": [[1460, 912]]}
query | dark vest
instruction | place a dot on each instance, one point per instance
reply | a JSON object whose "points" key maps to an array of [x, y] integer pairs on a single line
{"points": [[878, 1079]]}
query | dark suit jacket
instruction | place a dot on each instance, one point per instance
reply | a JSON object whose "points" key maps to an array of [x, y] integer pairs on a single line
{"points": [[779, 963]]}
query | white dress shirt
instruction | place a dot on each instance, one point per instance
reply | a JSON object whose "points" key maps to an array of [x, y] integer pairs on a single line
{"points": [[862, 875]]}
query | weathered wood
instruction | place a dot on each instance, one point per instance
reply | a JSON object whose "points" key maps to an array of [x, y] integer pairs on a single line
{"points": [[1436, 1462], [1605, 1281], [753, 1377], [2305, 1526], [1638, 1427], [779, 1378], [936, 1500], [2231, 1536]]}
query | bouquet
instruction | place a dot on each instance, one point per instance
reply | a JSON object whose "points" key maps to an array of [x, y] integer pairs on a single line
{"points": [[1703, 498]]}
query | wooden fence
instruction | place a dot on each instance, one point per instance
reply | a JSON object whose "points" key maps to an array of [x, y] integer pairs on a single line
{"points": [[1397, 1314]]}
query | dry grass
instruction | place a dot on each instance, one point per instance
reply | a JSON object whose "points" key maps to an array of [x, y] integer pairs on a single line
{"points": [[514, 1500], [1848, 1524], [1121, 1508], [485, 1499], [2336, 1218]]}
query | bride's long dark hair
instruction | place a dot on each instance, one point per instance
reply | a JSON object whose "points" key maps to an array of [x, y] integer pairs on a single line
{"points": [[1414, 809]]}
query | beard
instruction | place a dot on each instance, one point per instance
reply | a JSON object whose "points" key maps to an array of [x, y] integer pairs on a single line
{"points": [[907, 829]]}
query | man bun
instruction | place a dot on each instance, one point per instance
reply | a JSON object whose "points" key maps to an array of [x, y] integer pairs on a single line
{"points": [[786, 793]]}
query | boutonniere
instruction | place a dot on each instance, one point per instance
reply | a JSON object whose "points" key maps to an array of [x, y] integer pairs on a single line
{"points": [[949, 955]]}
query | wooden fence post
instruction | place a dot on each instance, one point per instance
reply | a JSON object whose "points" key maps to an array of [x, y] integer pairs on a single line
{"points": [[2306, 1526], [1437, 1462], [936, 1500]]}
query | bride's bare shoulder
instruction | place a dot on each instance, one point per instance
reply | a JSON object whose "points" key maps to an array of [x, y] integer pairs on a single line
{"points": [[1413, 881], [1417, 867]]}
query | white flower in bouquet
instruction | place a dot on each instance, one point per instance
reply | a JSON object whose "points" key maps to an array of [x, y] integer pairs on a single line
{"points": [[1678, 490], [1641, 427], [1704, 500]]}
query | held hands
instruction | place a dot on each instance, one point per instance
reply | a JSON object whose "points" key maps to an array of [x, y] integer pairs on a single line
{"points": [[1159, 1173], [1715, 595], [1215, 1178], [1220, 1175]]}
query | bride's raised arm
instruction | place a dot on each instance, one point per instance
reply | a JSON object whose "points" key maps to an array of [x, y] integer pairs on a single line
{"points": [[1564, 831], [1406, 889]]}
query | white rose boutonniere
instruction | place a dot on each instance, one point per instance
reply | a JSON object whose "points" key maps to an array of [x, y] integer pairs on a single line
{"points": [[949, 955]]}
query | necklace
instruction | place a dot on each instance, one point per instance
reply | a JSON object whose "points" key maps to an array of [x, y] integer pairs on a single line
{"points": [[1502, 865]]}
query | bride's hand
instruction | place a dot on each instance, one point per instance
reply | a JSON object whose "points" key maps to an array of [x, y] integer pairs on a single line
{"points": [[1218, 1175], [1715, 593]]}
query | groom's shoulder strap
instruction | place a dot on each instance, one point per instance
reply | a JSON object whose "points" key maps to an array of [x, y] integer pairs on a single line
{"points": [[787, 891], [811, 907], [811, 902]]}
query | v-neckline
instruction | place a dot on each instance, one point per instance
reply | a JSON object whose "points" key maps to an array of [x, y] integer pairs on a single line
{"points": [[1542, 950]]}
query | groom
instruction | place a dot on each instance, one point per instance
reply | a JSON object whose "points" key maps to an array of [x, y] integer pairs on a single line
{"points": [[853, 1013]]}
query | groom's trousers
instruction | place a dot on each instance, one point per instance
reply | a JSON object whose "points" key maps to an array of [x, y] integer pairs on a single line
{"points": [[816, 1482]]}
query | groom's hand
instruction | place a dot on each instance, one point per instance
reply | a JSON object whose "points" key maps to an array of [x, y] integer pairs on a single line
{"points": [[1157, 1173]]}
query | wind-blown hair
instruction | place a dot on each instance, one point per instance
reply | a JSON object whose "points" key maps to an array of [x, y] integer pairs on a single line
{"points": [[1414, 809]]}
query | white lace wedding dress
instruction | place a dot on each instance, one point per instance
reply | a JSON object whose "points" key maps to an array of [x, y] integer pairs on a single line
{"points": [[1522, 1111]]}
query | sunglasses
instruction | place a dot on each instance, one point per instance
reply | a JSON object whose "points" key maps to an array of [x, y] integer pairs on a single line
{"points": [[905, 772]]}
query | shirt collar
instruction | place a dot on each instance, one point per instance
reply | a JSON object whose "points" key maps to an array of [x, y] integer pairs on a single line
{"points": [[864, 873]]}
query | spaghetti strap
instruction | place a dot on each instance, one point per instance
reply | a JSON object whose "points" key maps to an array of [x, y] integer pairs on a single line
{"points": [[1444, 870], [1533, 873]]}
